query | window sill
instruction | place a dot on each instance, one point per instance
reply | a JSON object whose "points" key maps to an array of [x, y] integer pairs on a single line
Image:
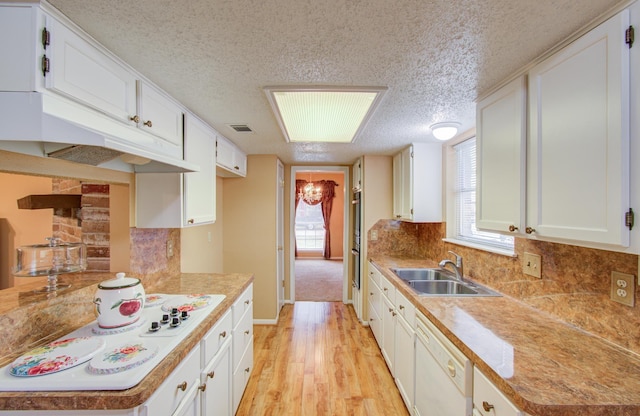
{"points": [[495, 250]]}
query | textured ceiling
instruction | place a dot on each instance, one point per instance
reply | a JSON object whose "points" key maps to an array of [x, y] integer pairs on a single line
{"points": [[435, 56]]}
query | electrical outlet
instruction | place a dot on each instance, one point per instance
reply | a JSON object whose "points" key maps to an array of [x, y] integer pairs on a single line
{"points": [[623, 288], [532, 265], [374, 235], [169, 249]]}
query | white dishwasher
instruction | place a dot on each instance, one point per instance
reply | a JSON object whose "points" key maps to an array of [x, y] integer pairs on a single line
{"points": [[443, 374]]}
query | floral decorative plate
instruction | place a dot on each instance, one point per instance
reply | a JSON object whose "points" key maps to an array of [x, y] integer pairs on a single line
{"points": [[56, 356], [154, 299], [122, 358], [187, 302]]}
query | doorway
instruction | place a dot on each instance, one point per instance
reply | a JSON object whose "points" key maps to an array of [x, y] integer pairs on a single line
{"points": [[319, 262]]}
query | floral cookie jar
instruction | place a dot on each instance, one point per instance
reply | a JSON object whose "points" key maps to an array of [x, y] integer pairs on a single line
{"points": [[119, 302]]}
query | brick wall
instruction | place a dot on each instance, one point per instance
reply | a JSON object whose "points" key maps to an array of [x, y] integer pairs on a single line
{"points": [[89, 224]]}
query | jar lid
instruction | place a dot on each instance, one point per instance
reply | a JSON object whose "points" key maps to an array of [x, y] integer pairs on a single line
{"points": [[120, 282]]}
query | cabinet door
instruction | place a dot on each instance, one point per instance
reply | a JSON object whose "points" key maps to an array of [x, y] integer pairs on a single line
{"points": [[159, 114], [388, 333], [199, 187], [405, 360], [81, 71], [190, 405], [578, 154], [357, 175], [397, 186], [500, 154], [216, 396]]}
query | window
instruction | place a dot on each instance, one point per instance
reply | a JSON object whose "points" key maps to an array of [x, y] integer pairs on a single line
{"points": [[465, 201], [309, 227]]}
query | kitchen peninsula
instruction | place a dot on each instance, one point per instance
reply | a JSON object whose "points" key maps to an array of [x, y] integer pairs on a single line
{"points": [[27, 318]]}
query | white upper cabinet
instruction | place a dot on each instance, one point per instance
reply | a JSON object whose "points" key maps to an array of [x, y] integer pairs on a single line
{"points": [[357, 175], [158, 114], [500, 151], [78, 70], [176, 200], [231, 161], [565, 177], [417, 183], [578, 148]]}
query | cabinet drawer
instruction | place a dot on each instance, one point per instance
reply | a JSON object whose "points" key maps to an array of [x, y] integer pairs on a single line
{"points": [[175, 388], [242, 336], [388, 289], [374, 274], [488, 400], [216, 336], [243, 304], [406, 309], [374, 296], [241, 376]]}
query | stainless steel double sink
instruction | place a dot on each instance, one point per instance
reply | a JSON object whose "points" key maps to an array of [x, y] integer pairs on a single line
{"points": [[440, 282]]}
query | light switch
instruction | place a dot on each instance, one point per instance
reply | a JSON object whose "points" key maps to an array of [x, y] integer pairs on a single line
{"points": [[532, 265]]}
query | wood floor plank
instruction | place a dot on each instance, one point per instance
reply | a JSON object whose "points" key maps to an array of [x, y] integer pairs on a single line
{"points": [[319, 360]]}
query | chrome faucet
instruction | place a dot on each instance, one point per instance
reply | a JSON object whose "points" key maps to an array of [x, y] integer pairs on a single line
{"points": [[457, 266]]}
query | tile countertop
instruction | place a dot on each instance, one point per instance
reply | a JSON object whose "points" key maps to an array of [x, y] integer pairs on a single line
{"points": [[544, 366], [231, 285]]}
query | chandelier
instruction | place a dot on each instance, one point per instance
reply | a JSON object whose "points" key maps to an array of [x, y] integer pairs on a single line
{"points": [[310, 193]]}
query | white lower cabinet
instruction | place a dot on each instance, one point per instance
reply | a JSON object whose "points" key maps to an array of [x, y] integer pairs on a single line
{"points": [[242, 356], [216, 379], [404, 364], [177, 388], [488, 400]]}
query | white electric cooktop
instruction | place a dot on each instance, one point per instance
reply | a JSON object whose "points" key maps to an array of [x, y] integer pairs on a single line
{"points": [[94, 358]]}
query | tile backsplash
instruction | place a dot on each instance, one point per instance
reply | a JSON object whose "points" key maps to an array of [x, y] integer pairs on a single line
{"points": [[574, 287]]}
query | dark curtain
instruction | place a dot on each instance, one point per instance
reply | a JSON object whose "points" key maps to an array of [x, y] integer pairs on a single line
{"points": [[328, 193]]}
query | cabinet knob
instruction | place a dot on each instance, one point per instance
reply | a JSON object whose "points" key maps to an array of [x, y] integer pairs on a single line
{"points": [[247, 332], [486, 406], [135, 119], [246, 370], [393, 313], [236, 167], [211, 374], [182, 386], [512, 228], [202, 387], [223, 334], [191, 221], [451, 368], [529, 230], [148, 123], [401, 307], [370, 293], [247, 301]]}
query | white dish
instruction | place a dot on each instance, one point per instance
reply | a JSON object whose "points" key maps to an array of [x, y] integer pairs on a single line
{"points": [[122, 358], [187, 302]]}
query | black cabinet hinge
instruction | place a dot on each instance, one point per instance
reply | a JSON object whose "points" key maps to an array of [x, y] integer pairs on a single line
{"points": [[46, 38], [45, 65], [628, 219], [629, 36]]}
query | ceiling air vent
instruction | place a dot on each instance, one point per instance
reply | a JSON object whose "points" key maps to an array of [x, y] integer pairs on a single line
{"points": [[241, 128]]}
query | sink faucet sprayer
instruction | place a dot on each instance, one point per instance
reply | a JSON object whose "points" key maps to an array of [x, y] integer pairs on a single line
{"points": [[457, 266]]}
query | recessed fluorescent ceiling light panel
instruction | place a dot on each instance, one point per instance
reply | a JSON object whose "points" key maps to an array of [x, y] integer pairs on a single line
{"points": [[323, 114]]}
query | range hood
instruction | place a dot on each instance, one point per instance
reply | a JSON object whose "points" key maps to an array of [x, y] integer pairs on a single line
{"points": [[43, 124]]}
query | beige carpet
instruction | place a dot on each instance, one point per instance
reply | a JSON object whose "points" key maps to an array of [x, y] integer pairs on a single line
{"points": [[318, 280]]}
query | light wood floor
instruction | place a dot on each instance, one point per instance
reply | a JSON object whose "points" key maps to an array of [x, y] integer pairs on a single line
{"points": [[319, 360]]}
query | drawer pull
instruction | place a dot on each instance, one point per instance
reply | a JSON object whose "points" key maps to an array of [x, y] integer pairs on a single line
{"points": [[247, 332], [223, 334], [452, 369], [148, 123], [486, 406], [202, 387], [211, 374], [401, 307], [135, 119], [246, 370], [390, 309], [182, 386], [246, 302]]}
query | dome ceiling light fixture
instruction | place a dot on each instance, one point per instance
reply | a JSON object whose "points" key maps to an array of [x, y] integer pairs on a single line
{"points": [[330, 114], [445, 131]]}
